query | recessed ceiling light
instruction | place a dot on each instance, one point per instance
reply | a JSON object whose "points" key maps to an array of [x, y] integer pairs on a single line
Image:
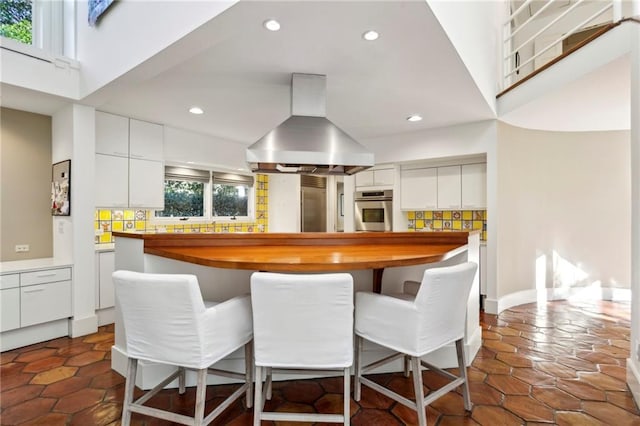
{"points": [[271, 25], [370, 35], [414, 117], [196, 110]]}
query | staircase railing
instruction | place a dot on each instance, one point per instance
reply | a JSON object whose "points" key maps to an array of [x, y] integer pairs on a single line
{"points": [[533, 43]]}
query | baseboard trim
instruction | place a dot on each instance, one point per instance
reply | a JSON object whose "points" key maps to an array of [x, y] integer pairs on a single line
{"points": [[83, 326], [493, 306], [633, 379], [34, 334]]}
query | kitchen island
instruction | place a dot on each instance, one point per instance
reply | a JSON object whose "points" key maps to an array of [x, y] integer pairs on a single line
{"points": [[223, 263]]}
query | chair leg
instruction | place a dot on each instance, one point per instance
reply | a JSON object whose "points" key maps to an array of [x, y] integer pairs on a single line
{"points": [[462, 366], [407, 360], [132, 368], [417, 387], [248, 369], [357, 386], [201, 393], [257, 403], [181, 380], [269, 383], [347, 397]]}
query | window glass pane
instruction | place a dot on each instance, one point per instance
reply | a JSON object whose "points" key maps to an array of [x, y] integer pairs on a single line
{"points": [[182, 199], [230, 200], [15, 20]]}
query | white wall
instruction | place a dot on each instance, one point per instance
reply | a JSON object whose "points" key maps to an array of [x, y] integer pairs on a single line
{"points": [[186, 146], [145, 27], [474, 29], [564, 193], [73, 137]]}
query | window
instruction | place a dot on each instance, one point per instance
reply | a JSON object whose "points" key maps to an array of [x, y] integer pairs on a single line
{"points": [[184, 193], [15, 20], [192, 194], [230, 195]]}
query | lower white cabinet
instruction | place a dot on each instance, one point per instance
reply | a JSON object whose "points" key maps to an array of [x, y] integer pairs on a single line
{"points": [[34, 297], [105, 265], [45, 302]]}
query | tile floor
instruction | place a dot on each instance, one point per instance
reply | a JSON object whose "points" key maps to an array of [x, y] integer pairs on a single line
{"points": [[557, 363]]}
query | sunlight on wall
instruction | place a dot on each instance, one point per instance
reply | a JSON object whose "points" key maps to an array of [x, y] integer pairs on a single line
{"points": [[565, 273]]}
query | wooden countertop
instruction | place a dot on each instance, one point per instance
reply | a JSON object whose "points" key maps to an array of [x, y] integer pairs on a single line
{"points": [[306, 252]]}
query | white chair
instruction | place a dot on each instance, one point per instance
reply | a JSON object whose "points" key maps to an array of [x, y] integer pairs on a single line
{"points": [[302, 324], [415, 326], [166, 321]]}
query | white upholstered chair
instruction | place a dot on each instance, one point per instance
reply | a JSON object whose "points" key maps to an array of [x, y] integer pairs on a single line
{"points": [[166, 321], [302, 323], [415, 326]]}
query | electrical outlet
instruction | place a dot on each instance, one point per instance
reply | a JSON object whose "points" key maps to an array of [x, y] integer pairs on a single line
{"points": [[22, 248]]}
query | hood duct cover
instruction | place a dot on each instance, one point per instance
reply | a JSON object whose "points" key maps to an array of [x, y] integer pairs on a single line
{"points": [[307, 142]]}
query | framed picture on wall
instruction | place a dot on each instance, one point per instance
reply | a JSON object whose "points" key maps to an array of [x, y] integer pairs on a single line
{"points": [[96, 8], [61, 189]]}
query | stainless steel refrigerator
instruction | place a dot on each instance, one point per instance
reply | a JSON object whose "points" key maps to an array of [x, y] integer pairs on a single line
{"points": [[313, 206]]}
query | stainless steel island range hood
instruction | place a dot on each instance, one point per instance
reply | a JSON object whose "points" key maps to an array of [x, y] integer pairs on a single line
{"points": [[307, 142]]}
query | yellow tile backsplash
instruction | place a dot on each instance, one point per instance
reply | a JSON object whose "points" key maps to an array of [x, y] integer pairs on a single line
{"points": [[108, 221], [447, 220]]}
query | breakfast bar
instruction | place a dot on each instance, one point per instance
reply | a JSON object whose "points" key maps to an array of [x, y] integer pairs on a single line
{"points": [[223, 263]]}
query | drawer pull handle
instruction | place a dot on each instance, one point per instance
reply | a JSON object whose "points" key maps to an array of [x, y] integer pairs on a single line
{"points": [[50, 274], [35, 290]]}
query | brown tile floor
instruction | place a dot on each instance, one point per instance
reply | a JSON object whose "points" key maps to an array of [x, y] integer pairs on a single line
{"points": [[558, 363]]}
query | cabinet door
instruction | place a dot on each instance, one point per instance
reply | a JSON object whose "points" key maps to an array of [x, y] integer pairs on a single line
{"points": [[483, 269], [111, 185], [146, 140], [112, 134], [383, 177], [364, 178], [9, 309], [146, 184], [418, 189], [474, 186], [107, 266], [45, 302], [449, 187]]}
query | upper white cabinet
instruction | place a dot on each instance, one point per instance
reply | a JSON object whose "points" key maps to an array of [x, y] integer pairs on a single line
{"points": [[145, 140], [129, 162], [376, 176], [474, 186], [112, 134], [458, 187], [449, 188], [419, 189]]}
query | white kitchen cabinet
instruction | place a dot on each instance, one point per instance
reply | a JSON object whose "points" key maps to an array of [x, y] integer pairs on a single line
{"points": [[9, 302], [111, 181], [419, 189], [146, 184], [44, 302], [483, 269], [105, 293], [449, 192], [474, 186], [146, 140], [133, 174], [375, 177], [112, 134]]}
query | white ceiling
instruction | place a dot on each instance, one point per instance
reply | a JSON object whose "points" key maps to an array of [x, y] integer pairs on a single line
{"points": [[242, 80]]}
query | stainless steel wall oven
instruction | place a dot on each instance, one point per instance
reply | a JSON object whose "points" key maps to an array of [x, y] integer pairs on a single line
{"points": [[374, 210]]}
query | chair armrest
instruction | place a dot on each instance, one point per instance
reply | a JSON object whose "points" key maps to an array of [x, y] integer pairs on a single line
{"points": [[228, 325], [387, 320]]}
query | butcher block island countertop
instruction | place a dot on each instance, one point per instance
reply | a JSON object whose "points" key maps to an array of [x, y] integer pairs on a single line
{"points": [[306, 252]]}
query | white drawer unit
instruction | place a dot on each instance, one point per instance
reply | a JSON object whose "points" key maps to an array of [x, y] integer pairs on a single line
{"points": [[9, 302], [9, 281], [45, 276], [45, 302]]}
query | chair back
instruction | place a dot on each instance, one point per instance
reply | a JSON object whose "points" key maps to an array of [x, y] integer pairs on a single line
{"points": [[302, 320], [442, 304], [162, 316]]}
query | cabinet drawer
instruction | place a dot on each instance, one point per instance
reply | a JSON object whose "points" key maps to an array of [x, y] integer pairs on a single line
{"points": [[9, 309], [9, 281], [45, 276], [45, 302]]}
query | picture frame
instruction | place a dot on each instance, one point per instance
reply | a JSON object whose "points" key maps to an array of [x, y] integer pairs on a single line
{"points": [[97, 8], [61, 188]]}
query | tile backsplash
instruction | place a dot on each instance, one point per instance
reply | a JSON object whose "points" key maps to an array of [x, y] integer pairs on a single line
{"points": [[448, 220], [107, 221]]}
